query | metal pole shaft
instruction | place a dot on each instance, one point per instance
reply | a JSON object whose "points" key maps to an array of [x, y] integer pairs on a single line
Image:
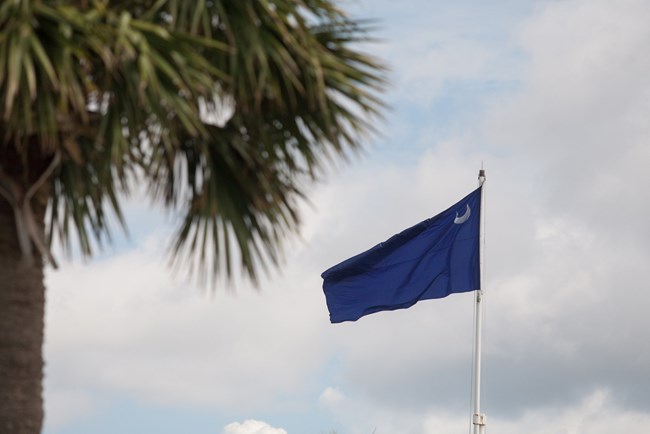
{"points": [[478, 419]]}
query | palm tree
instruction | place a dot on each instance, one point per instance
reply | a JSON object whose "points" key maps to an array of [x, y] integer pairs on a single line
{"points": [[221, 109]]}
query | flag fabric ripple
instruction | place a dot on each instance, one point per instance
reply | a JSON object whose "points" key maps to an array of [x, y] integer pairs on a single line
{"points": [[432, 259]]}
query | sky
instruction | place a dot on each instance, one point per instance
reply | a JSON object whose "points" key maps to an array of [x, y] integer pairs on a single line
{"points": [[553, 99]]}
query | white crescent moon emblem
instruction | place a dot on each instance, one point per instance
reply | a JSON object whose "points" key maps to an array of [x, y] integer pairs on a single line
{"points": [[462, 219]]}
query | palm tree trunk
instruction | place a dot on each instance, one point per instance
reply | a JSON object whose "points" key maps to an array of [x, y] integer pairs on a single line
{"points": [[22, 303]]}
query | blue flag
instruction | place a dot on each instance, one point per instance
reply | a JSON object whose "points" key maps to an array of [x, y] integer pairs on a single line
{"points": [[432, 259]]}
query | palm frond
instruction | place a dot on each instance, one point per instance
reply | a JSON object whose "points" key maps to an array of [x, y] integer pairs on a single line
{"points": [[118, 88]]}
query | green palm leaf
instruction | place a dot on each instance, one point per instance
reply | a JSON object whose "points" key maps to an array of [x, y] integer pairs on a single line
{"points": [[116, 88]]}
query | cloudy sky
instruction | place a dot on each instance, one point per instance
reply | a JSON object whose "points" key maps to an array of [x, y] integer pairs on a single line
{"points": [[553, 97]]}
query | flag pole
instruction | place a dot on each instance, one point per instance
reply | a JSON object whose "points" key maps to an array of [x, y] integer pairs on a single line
{"points": [[478, 418]]}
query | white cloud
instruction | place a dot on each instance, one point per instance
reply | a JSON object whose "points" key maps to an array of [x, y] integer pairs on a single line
{"points": [[331, 397], [595, 414], [125, 325], [581, 120], [252, 427], [65, 406], [580, 126]]}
